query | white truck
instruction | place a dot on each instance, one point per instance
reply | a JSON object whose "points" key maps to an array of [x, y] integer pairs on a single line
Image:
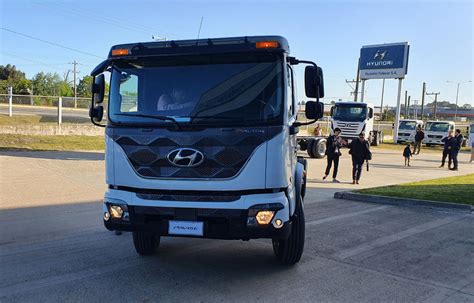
{"points": [[353, 118], [201, 141], [437, 130], [407, 130]]}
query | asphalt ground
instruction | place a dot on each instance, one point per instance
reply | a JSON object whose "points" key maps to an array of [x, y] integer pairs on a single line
{"points": [[53, 246]]}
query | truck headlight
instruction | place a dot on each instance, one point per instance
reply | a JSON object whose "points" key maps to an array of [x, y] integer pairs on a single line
{"points": [[264, 216]]}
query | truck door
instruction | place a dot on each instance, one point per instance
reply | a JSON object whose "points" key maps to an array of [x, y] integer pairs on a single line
{"points": [[292, 112]]}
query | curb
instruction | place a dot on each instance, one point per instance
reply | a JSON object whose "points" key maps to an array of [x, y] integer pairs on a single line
{"points": [[405, 202]]}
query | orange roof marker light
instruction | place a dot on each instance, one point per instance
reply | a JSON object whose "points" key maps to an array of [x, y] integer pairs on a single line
{"points": [[267, 44], [120, 52]]}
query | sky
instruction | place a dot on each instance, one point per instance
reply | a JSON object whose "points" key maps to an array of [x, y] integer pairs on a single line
{"points": [[329, 33]]}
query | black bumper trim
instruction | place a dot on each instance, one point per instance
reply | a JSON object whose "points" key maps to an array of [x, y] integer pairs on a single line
{"points": [[228, 224]]}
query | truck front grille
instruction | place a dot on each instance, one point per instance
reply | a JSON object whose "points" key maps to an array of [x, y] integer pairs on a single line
{"points": [[225, 150]]}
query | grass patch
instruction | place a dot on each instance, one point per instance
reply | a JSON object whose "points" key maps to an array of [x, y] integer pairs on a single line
{"points": [[430, 149], [62, 143], [37, 119], [459, 189]]}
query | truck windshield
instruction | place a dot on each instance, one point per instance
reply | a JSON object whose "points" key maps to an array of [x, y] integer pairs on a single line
{"points": [[407, 125], [197, 91], [437, 127], [350, 112]]}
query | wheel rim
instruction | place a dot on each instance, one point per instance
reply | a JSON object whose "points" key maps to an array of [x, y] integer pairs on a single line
{"points": [[322, 148]]}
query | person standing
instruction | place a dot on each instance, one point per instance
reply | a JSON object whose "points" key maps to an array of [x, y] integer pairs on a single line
{"points": [[448, 145], [407, 154], [419, 136], [457, 143], [317, 131], [360, 151], [333, 152]]}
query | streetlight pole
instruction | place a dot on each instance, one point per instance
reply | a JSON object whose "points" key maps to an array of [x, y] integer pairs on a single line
{"points": [[457, 96]]}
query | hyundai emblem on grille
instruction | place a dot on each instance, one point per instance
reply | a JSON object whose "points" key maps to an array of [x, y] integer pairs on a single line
{"points": [[185, 157]]}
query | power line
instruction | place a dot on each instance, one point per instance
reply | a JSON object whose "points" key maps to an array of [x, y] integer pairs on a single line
{"points": [[128, 25], [30, 60], [48, 42]]}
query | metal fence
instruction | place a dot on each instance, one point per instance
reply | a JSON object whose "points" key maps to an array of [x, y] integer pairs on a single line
{"points": [[81, 102]]}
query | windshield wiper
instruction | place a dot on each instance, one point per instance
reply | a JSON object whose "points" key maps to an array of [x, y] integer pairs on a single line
{"points": [[164, 118]]}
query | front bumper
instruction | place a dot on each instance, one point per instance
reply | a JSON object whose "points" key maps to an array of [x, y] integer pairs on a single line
{"points": [[229, 224], [221, 220]]}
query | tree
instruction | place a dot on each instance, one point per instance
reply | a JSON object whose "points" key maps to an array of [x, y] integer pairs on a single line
{"points": [[49, 84], [84, 87], [10, 76], [10, 72]]}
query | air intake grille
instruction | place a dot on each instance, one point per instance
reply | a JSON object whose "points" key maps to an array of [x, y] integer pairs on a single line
{"points": [[225, 152]]}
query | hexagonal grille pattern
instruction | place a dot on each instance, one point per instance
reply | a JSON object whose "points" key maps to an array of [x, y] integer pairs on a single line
{"points": [[224, 153]]}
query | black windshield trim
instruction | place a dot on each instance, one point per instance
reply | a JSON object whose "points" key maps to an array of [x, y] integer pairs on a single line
{"points": [[275, 121]]}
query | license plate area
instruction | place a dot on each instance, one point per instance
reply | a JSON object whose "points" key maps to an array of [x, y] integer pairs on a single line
{"points": [[186, 228]]}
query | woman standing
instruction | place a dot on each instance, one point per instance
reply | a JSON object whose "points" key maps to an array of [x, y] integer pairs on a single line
{"points": [[333, 152], [359, 150]]}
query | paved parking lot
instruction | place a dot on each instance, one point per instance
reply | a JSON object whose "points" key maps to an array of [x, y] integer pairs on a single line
{"points": [[53, 246]]}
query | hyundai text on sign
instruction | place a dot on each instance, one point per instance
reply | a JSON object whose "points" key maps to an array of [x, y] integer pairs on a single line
{"points": [[384, 61]]}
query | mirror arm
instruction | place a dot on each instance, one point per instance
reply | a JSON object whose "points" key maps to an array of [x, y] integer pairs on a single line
{"points": [[294, 61], [298, 124], [97, 124]]}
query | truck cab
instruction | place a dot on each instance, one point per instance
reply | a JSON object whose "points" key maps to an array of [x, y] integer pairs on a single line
{"points": [[201, 141], [437, 130], [407, 130], [353, 118]]}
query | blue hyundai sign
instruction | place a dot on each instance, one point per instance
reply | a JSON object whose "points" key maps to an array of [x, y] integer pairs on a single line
{"points": [[384, 61]]}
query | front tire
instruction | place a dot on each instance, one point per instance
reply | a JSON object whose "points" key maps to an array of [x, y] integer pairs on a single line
{"points": [[288, 251], [145, 243], [309, 147]]}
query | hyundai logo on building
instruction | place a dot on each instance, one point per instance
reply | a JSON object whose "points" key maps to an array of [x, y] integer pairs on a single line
{"points": [[185, 157]]}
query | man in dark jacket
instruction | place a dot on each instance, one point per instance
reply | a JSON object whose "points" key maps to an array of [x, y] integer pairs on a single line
{"points": [[448, 145], [419, 136], [359, 150], [333, 146], [457, 143]]}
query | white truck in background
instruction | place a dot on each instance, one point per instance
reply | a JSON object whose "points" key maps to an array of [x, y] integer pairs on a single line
{"points": [[353, 118], [407, 130], [437, 130]]}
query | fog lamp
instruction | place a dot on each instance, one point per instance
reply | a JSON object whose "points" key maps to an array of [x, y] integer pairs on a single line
{"points": [[264, 216], [106, 216], [278, 223], [116, 211]]}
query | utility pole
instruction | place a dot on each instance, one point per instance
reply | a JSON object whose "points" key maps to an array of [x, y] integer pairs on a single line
{"points": [[457, 96], [405, 108], [435, 102], [356, 92], [408, 113], [423, 92], [381, 103], [75, 71], [415, 109], [355, 89]]}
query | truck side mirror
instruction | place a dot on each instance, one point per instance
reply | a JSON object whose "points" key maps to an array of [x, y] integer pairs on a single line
{"points": [[314, 82], [314, 110], [332, 111], [371, 113], [96, 111], [98, 89]]}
